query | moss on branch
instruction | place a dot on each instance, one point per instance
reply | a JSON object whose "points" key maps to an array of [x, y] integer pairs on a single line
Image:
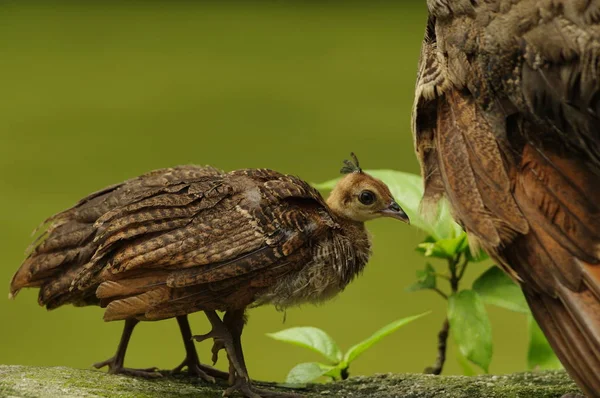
{"points": [[26, 381]]}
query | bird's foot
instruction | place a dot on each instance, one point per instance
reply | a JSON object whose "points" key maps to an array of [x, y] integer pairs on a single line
{"points": [[218, 344], [238, 375], [245, 387], [204, 372], [216, 373], [194, 369], [115, 367], [222, 341]]}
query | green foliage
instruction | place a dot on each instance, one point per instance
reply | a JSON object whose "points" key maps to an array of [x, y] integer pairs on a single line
{"points": [[307, 371], [465, 364], [312, 338], [426, 279], [317, 340], [469, 322], [471, 327], [364, 345], [444, 248], [496, 288]]}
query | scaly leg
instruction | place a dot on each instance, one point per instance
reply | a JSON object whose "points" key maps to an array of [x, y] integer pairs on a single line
{"points": [[220, 332], [115, 364], [191, 361], [229, 332]]}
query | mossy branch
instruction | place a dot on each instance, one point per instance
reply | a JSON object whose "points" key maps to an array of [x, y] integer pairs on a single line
{"points": [[24, 381]]}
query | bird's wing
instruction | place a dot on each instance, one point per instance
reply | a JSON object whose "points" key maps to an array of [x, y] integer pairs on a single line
{"points": [[506, 127], [71, 238], [250, 238]]}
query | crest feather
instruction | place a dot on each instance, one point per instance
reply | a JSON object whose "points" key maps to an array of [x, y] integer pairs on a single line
{"points": [[351, 166]]}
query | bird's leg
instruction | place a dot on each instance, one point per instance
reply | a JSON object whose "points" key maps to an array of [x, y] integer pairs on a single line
{"points": [[115, 364], [191, 361], [235, 321], [237, 367], [220, 332]]}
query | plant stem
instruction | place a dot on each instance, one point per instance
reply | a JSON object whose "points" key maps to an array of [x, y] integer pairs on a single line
{"points": [[456, 274], [436, 369], [438, 291], [345, 373], [463, 268], [454, 277]]}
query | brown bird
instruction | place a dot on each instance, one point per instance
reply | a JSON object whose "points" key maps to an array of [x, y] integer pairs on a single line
{"points": [[197, 239], [507, 127], [63, 253]]}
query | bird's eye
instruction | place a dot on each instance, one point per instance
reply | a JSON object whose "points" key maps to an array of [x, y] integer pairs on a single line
{"points": [[366, 197]]}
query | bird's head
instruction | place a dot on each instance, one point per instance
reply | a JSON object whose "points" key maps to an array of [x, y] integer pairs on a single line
{"points": [[361, 197]]}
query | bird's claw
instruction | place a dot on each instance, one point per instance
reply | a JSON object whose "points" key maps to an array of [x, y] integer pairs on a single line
{"points": [[116, 368], [245, 387], [218, 345], [201, 337], [194, 369]]}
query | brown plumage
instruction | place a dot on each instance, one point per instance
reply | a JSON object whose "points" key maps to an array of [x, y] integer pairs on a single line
{"points": [[507, 127], [63, 259], [190, 239]]}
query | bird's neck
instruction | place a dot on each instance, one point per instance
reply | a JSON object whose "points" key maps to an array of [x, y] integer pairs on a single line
{"points": [[356, 231], [353, 229], [334, 201]]}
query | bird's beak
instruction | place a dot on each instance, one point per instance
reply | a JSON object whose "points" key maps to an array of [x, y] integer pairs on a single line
{"points": [[395, 211]]}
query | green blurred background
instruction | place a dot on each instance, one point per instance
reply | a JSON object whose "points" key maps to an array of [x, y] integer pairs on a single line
{"points": [[93, 94]]}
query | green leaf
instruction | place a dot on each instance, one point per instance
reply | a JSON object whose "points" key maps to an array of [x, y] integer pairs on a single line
{"points": [[312, 338], [407, 189], [496, 288], [471, 328], [431, 249], [540, 355], [364, 345], [306, 372], [453, 246], [446, 227], [444, 248], [465, 365], [425, 279], [335, 372]]}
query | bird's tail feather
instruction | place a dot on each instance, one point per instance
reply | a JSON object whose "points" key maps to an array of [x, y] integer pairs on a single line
{"points": [[569, 323]]}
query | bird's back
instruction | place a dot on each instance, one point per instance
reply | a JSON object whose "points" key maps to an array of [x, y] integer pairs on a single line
{"points": [[269, 239], [179, 240], [71, 238]]}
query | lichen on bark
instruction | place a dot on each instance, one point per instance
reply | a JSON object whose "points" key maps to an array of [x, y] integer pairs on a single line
{"points": [[26, 381]]}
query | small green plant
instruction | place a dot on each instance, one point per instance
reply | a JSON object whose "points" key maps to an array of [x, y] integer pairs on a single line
{"points": [[447, 248], [338, 363]]}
